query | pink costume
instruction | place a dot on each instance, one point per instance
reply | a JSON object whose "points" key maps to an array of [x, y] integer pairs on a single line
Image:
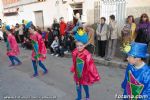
{"points": [[14, 49], [42, 48], [90, 74]]}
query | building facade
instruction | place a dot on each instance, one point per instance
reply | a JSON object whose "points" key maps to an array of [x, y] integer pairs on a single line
{"points": [[42, 12]]}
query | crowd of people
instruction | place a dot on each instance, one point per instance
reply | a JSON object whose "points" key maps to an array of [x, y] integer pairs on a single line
{"points": [[79, 39], [59, 38], [108, 34]]}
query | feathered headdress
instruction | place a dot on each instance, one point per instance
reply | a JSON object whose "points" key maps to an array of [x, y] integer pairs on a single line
{"points": [[81, 36]]}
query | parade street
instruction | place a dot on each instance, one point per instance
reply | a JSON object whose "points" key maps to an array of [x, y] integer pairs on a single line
{"points": [[58, 84]]}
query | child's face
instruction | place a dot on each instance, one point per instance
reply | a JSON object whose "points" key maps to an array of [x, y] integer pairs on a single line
{"points": [[80, 46], [62, 37], [56, 38], [132, 60]]}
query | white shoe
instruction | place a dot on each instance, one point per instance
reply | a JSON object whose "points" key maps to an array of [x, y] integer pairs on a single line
{"points": [[65, 52], [56, 55], [52, 54]]}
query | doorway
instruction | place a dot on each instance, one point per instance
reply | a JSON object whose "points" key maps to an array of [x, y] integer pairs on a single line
{"points": [[39, 19]]}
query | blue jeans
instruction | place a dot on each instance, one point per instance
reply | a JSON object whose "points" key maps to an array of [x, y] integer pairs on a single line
{"points": [[40, 64], [13, 59], [79, 91]]}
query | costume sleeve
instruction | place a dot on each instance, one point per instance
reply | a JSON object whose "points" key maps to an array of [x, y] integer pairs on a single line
{"points": [[42, 47], [123, 85], [93, 72], [146, 91], [74, 54], [12, 43]]}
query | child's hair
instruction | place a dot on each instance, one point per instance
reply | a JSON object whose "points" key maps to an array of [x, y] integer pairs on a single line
{"points": [[112, 17], [143, 59], [48, 29], [80, 28]]}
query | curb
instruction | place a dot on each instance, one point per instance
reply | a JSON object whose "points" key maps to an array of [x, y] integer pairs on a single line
{"points": [[113, 63]]}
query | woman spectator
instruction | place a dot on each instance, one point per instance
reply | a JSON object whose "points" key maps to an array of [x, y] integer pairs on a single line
{"points": [[128, 32], [55, 28], [101, 32], [143, 29]]}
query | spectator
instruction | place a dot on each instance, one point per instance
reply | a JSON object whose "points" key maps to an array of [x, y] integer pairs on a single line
{"points": [[62, 46], [45, 38], [62, 26], [128, 31], [16, 33], [112, 38], [0, 23], [143, 30], [69, 41], [55, 28], [69, 37], [21, 35], [90, 45], [38, 29], [55, 46], [4, 33], [77, 24], [102, 33], [1, 35], [27, 43], [69, 27], [50, 39]]}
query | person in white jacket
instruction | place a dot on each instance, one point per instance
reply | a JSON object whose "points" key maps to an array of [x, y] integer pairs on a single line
{"points": [[1, 35], [55, 46], [102, 32]]}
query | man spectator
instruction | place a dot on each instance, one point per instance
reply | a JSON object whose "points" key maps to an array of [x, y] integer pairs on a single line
{"points": [[102, 32], [62, 26], [112, 38]]}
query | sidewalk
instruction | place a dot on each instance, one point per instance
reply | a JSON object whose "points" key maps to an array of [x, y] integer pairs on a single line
{"points": [[116, 62]]}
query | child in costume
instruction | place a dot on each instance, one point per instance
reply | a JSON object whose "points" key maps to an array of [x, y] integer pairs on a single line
{"points": [[84, 69], [12, 47], [136, 84], [39, 51]]}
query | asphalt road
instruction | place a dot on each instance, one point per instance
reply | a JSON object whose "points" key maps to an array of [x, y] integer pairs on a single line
{"points": [[58, 84]]}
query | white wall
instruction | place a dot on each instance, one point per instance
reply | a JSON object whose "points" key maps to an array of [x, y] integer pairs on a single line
{"points": [[1, 9], [138, 3], [51, 11]]}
